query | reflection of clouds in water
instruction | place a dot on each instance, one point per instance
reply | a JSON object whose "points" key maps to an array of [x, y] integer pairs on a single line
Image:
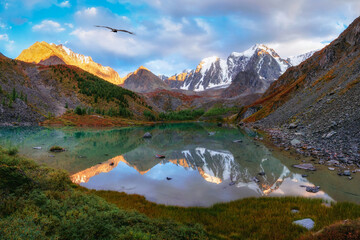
{"points": [[291, 186], [201, 178], [187, 188]]}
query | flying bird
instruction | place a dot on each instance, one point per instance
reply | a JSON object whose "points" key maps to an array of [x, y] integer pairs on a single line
{"points": [[115, 30]]}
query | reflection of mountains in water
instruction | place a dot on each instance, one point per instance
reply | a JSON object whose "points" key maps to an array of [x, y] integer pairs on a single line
{"points": [[215, 166]]}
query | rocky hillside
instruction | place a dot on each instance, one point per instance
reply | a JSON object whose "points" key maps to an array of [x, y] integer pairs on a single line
{"points": [[320, 97], [142, 80], [30, 93], [51, 54], [215, 72]]}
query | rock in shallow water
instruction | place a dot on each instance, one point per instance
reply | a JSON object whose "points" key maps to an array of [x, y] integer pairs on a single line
{"points": [[306, 166], [147, 135], [313, 189], [307, 223]]}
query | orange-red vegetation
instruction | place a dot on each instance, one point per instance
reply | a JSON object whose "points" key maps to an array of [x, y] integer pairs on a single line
{"points": [[72, 119]]}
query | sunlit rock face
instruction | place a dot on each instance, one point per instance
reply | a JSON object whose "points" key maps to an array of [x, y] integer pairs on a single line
{"points": [[143, 80], [52, 54]]}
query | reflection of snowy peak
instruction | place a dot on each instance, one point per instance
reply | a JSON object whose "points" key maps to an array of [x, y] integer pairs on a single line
{"points": [[215, 166], [215, 72]]}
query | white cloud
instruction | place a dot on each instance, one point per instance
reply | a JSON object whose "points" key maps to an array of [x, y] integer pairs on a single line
{"points": [[164, 66], [297, 47], [70, 25], [64, 4], [104, 41], [88, 12], [9, 44], [4, 37], [48, 26], [191, 30]]}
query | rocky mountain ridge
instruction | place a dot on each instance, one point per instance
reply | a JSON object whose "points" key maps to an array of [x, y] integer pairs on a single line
{"points": [[317, 102], [214, 72], [143, 80], [30, 93], [52, 54]]}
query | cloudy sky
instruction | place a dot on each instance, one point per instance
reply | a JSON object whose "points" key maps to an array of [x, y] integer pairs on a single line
{"points": [[172, 35]]}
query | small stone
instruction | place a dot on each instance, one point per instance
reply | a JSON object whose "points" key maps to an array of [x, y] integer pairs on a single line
{"points": [[237, 141], [293, 126], [304, 175], [262, 173], [295, 142], [350, 178], [330, 134], [147, 135], [37, 148], [232, 183], [294, 211], [347, 173], [332, 162], [313, 189], [307, 223], [255, 179], [331, 168], [306, 166]]}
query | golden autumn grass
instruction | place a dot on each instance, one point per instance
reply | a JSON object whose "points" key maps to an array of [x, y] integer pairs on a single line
{"points": [[251, 218], [72, 119]]}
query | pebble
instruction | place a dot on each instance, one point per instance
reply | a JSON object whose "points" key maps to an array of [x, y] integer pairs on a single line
{"points": [[294, 211], [255, 179], [307, 223], [305, 166], [147, 135], [331, 168], [313, 189]]}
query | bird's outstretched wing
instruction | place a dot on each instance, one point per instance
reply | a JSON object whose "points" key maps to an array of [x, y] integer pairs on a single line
{"points": [[105, 27], [121, 30], [116, 30]]}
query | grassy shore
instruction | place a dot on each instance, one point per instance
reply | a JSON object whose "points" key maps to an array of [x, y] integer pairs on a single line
{"points": [[251, 218], [37, 202]]}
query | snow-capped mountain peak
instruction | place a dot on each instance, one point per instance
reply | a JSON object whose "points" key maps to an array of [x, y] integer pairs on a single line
{"points": [[214, 72], [296, 60]]}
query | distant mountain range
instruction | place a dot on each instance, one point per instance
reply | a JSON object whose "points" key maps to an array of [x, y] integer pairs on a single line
{"points": [[211, 73], [52, 54], [214, 72]]}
